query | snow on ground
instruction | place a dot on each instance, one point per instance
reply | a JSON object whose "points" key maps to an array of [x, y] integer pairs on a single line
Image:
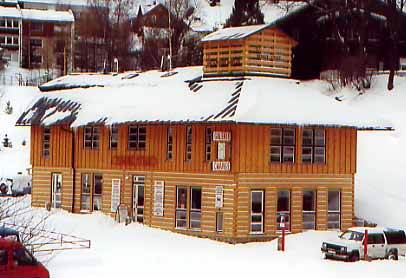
{"points": [[17, 158], [138, 251]]}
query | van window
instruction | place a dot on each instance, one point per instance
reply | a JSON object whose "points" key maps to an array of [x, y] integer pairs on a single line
{"points": [[376, 239], [395, 236], [22, 257], [3, 256]]}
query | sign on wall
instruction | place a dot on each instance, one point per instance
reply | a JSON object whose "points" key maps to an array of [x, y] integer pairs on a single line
{"points": [[219, 197], [159, 194], [221, 136], [221, 166], [115, 194]]}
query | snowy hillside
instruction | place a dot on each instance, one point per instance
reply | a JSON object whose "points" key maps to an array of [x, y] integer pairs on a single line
{"points": [[14, 159]]}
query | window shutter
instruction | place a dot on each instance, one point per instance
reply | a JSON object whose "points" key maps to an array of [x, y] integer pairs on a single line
{"points": [[115, 194]]}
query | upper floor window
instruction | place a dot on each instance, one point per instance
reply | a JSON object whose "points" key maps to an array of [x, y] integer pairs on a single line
{"points": [[37, 27], [92, 137], [188, 143], [283, 143], [207, 147], [314, 146], [36, 42], [169, 144], [113, 137], [46, 141], [137, 137]]}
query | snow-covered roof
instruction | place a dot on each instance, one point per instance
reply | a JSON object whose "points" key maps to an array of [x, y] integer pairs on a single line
{"points": [[59, 2], [47, 15], [37, 15], [185, 97], [234, 33], [10, 12]]}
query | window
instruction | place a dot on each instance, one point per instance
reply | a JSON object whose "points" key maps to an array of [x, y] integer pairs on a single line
{"points": [[46, 141], [207, 146], [309, 209], [85, 200], [314, 146], [188, 143], [181, 207], [283, 210], [195, 207], [97, 192], [22, 257], [113, 137], [36, 58], [137, 137], [334, 209], [257, 211], [37, 27], [219, 222], [283, 142], [3, 257], [36, 42], [169, 144], [376, 239], [92, 137]]}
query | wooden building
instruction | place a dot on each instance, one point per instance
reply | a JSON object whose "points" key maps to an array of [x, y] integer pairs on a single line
{"points": [[258, 49], [224, 158]]}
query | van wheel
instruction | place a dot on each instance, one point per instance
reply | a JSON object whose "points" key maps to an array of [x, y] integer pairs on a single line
{"points": [[393, 256], [354, 257]]}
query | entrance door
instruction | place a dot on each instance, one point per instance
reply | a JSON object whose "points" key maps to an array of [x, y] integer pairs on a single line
{"points": [[138, 198], [56, 188]]}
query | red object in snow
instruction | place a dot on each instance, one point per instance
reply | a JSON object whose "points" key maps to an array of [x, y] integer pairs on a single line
{"points": [[366, 245], [17, 262], [283, 238]]}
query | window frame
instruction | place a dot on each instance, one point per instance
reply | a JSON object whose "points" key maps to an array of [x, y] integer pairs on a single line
{"points": [[334, 212], [169, 143], [46, 142], [309, 212], [255, 214], [195, 211], [114, 137], [97, 196], [282, 145], [313, 146], [285, 213], [137, 141], [219, 222], [182, 210], [207, 143], [92, 137], [189, 144]]}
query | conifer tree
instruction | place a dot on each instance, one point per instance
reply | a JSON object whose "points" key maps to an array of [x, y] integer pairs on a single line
{"points": [[245, 12]]}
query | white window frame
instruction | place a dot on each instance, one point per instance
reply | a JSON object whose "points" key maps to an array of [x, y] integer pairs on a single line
{"points": [[334, 212], [310, 212], [261, 214]]}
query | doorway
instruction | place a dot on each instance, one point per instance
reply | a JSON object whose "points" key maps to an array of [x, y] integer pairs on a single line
{"points": [[138, 198], [56, 190]]}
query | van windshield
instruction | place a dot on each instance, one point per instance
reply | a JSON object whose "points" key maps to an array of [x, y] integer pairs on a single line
{"points": [[351, 235]]}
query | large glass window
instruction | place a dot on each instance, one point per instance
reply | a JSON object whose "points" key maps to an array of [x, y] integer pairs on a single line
{"points": [[46, 141], [257, 211], [85, 199], [309, 209], [137, 137], [169, 144], [189, 143], [314, 146], [195, 207], [181, 207], [113, 137], [283, 142], [22, 257], [97, 192], [283, 209], [334, 209], [92, 137]]}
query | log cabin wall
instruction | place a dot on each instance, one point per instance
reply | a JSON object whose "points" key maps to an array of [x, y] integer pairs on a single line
{"points": [[266, 52], [251, 169]]}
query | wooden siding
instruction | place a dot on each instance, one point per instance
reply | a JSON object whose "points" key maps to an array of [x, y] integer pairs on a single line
{"points": [[250, 151], [268, 52]]}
